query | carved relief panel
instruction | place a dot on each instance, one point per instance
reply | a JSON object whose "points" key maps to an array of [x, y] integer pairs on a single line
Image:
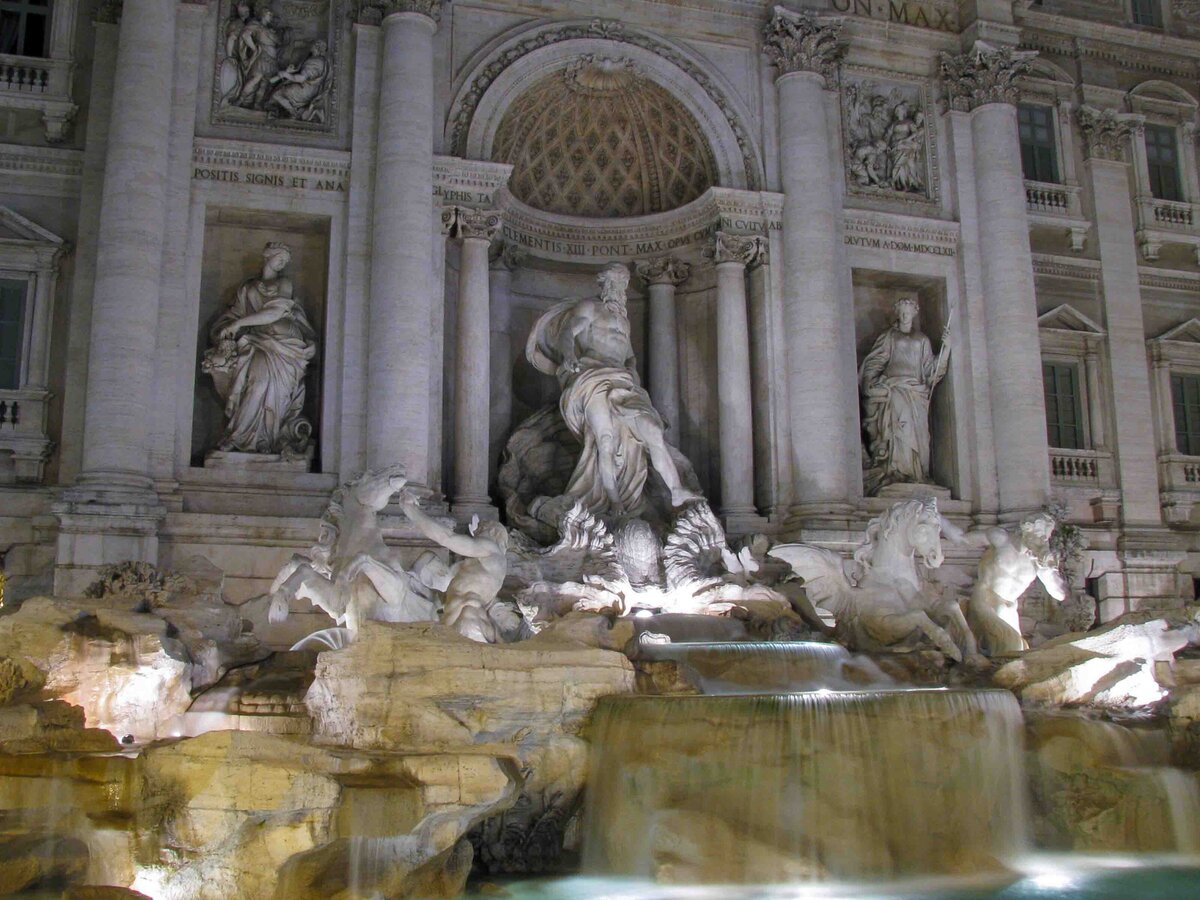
{"points": [[887, 133], [275, 64]]}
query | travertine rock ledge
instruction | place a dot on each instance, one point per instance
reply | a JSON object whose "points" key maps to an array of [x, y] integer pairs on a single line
{"points": [[423, 688]]}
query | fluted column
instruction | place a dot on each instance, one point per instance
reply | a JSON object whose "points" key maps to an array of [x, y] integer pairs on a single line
{"points": [[472, 361], [731, 254], [129, 253], [506, 257], [1105, 136], [400, 304], [662, 276], [805, 51], [983, 82]]}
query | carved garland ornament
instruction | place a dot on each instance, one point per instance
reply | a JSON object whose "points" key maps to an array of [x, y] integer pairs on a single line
{"points": [[464, 222], [798, 41], [598, 29], [984, 74], [737, 248], [663, 270], [1105, 131]]}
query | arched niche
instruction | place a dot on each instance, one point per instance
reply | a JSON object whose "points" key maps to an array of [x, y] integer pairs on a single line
{"points": [[503, 71]]}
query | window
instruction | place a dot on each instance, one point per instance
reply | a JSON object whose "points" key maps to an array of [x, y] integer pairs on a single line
{"points": [[1162, 161], [1185, 399], [1038, 156], [1146, 12], [1064, 413], [25, 27], [12, 332]]}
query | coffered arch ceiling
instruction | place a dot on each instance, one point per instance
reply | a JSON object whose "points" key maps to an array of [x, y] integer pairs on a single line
{"points": [[599, 139]]}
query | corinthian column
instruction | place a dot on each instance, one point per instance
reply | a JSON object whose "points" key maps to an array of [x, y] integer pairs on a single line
{"points": [[662, 275], [804, 50], [472, 361], [506, 257], [400, 303], [1105, 135], [129, 252], [982, 82], [731, 254]]}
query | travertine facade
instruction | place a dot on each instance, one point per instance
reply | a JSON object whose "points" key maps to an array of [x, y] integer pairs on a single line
{"points": [[777, 178]]}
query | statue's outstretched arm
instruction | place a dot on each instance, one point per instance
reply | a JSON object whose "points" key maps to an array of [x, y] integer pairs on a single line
{"points": [[1054, 583], [462, 544]]}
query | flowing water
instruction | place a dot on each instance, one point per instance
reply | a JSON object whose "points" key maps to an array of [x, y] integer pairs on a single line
{"points": [[805, 786]]}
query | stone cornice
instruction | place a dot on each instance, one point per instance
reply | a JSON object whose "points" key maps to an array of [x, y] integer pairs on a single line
{"points": [[251, 156], [984, 74], [1132, 47], [1062, 267], [58, 163], [800, 41], [1105, 132], [663, 270]]}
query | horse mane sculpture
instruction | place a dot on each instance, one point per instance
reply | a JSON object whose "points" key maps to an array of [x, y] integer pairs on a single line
{"points": [[883, 598], [350, 572]]}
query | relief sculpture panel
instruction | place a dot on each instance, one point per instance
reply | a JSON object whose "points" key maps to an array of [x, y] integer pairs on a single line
{"points": [[888, 148], [275, 64]]}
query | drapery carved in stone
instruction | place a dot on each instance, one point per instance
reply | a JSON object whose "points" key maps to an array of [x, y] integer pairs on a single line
{"points": [[1105, 131], [748, 250], [984, 74], [663, 270], [275, 64], [799, 41]]}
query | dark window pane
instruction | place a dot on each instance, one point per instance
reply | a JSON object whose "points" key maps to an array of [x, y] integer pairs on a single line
{"points": [[1147, 12], [1185, 403], [24, 27], [12, 332], [1064, 414], [1036, 130], [1162, 162]]}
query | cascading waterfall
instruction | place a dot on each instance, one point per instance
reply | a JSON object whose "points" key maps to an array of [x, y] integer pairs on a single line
{"points": [[725, 667], [805, 786]]}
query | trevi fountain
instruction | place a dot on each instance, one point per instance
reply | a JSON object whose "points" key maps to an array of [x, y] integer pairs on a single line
{"points": [[637, 484]]}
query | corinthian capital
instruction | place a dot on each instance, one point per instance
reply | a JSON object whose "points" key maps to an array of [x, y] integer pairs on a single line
{"points": [[984, 74], [1105, 131], [737, 248], [373, 12], [663, 270], [463, 222], [798, 41]]}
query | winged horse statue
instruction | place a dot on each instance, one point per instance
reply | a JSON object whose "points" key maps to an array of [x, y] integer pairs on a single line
{"points": [[883, 597]]}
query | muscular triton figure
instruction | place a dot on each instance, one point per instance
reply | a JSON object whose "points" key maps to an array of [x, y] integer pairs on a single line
{"points": [[585, 344]]}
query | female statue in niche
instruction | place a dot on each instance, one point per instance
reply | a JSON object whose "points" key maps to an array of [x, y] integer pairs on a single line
{"points": [[262, 345], [897, 379]]}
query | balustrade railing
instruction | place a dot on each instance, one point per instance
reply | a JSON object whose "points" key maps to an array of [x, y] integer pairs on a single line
{"points": [[1079, 466], [24, 75], [1047, 198]]}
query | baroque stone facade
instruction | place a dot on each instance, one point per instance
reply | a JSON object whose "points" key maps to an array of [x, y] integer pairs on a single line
{"points": [[777, 177]]}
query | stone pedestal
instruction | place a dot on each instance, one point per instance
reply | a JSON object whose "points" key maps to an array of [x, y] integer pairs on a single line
{"points": [[913, 491], [230, 461]]}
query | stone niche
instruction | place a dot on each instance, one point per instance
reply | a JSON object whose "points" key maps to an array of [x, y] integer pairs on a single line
{"points": [[233, 246], [875, 296]]}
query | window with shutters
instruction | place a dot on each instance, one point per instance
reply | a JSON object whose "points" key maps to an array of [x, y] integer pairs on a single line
{"points": [[1064, 407], [12, 331], [1185, 403], [1162, 162], [1039, 155]]}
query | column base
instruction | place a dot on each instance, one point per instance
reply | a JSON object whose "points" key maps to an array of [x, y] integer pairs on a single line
{"points": [[824, 515], [101, 527], [741, 520], [463, 508]]}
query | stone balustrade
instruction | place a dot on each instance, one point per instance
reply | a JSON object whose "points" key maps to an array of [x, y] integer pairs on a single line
{"points": [[1058, 206], [23, 424], [40, 84], [1091, 468], [1179, 480], [1161, 222]]}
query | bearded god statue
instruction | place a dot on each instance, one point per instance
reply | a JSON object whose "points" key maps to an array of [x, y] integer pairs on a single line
{"points": [[604, 431], [897, 379]]}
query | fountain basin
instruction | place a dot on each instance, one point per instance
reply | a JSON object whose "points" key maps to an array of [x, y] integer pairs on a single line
{"points": [[812, 786]]}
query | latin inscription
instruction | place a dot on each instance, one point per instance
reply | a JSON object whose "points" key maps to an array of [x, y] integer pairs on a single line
{"points": [[269, 179], [904, 12], [874, 243]]}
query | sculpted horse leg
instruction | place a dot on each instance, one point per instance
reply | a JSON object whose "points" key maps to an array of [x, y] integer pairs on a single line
{"points": [[299, 579], [916, 620], [949, 615]]}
